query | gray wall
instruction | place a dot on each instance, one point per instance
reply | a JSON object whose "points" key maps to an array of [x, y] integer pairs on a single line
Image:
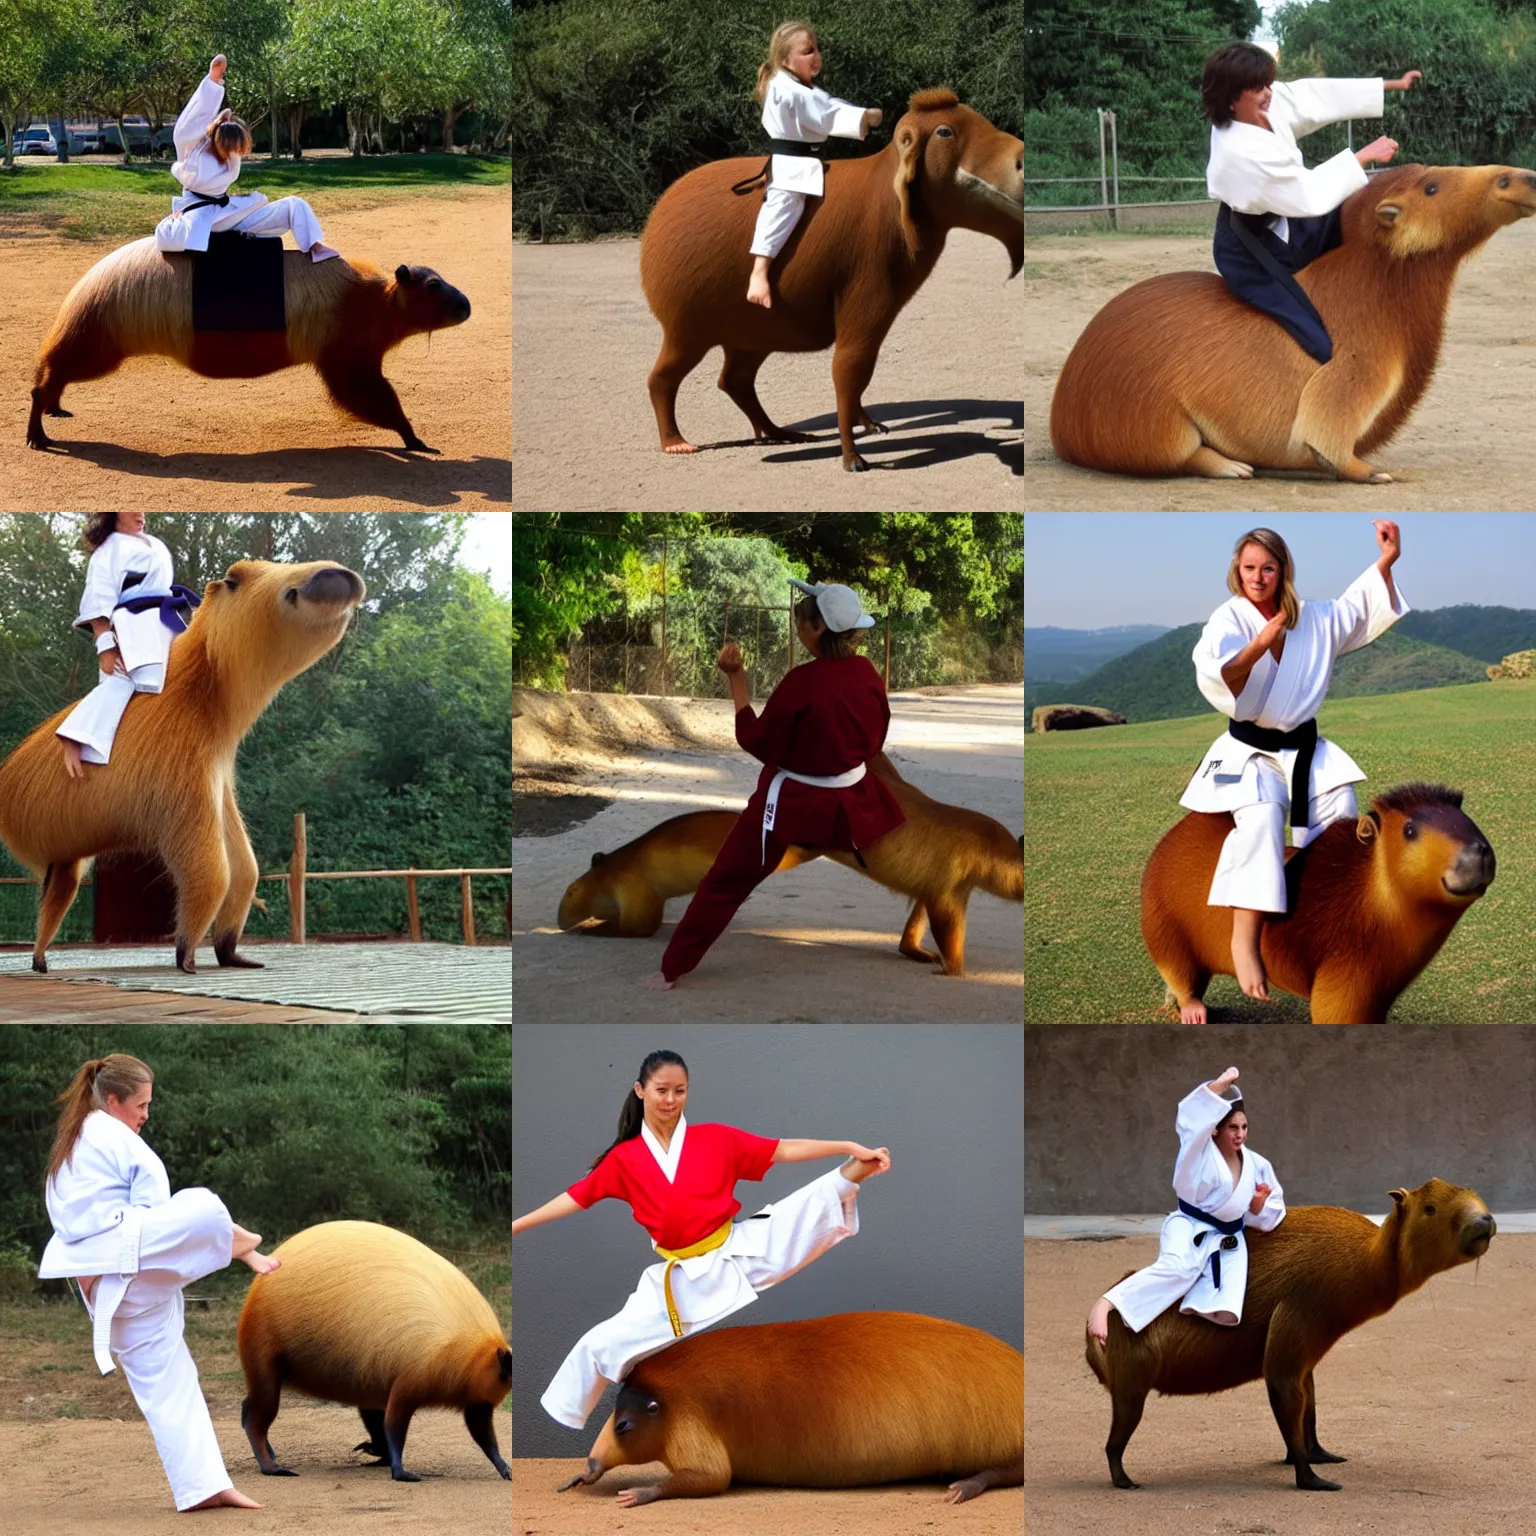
{"points": [[941, 1233], [1344, 1114]]}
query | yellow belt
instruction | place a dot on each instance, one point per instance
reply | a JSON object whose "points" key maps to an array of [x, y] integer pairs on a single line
{"points": [[716, 1239]]}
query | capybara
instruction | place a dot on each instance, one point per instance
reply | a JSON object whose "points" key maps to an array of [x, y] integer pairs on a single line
{"points": [[835, 1402], [1368, 904], [366, 1315], [343, 316], [855, 258], [1162, 379], [1321, 1272], [170, 786], [938, 856]]}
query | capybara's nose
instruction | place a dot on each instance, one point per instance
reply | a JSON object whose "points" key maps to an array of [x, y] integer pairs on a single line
{"points": [[460, 308], [1474, 865], [335, 584]]}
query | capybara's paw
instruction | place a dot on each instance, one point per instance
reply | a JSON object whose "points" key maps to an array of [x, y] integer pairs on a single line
{"points": [[186, 957], [414, 444], [37, 438], [855, 465], [1378, 477], [40, 964], [402, 1476], [227, 955], [59, 410], [1192, 1012], [278, 1470], [966, 1488], [784, 435]]}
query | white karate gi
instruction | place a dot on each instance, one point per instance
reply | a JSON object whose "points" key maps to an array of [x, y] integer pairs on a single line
{"points": [[198, 169], [1254, 170], [794, 110], [1183, 1271], [143, 640], [1255, 785], [779, 1241], [114, 1215]]}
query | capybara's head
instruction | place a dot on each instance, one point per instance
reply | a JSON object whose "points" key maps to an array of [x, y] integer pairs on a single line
{"points": [[1413, 210], [958, 171], [424, 302], [576, 904], [1439, 1226], [1433, 851], [634, 1434]]}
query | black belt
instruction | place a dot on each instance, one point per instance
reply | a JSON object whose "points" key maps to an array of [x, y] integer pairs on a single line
{"points": [[1303, 738], [794, 147], [1228, 1229], [221, 201]]}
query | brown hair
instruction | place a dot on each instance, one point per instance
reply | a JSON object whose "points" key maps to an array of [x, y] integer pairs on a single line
{"points": [[1268, 539], [1230, 71], [228, 136], [99, 526], [121, 1076], [778, 53], [831, 644]]}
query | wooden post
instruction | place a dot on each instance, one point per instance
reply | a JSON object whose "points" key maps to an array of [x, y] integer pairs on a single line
{"points": [[467, 911], [296, 870], [664, 615], [413, 910]]}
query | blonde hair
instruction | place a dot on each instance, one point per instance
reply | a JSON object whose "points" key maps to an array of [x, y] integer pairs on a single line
{"points": [[121, 1076], [778, 53], [228, 137], [1268, 539]]}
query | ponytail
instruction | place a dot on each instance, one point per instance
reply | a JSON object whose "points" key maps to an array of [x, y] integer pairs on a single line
{"points": [[632, 1112], [121, 1076]]}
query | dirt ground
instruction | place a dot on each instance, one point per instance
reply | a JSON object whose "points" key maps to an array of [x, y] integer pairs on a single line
{"points": [[946, 386], [1431, 1404], [95, 1477], [818, 943], [904, 1509], [1466, 446], [156, 436]]}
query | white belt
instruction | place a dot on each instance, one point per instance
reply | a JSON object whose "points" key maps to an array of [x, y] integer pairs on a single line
{"points": [[111, 1288], [771, 804]]}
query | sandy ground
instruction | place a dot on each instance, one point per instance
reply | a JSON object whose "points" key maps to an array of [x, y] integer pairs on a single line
{"points": [[1430, 1404], [1465, 447], [903, 1509], [817, 944], [156, 436], [94, 1477], [946, 385]]}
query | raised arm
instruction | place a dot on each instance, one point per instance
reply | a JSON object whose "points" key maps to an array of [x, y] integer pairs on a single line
{"points": [[1390, 542], [792, 1150], [552, 1210]]}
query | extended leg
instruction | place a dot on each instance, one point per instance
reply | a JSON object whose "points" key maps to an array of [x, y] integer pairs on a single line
{"points": [[482, 1431], [229, 920], [673, 364], [738, 869], [738, 378], [371, 398], [853, 366], [60, 882], [77, 357]]}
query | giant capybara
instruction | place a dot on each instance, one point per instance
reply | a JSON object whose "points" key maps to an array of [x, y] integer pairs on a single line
{"points": [[366, 1315], [855, 258], [1368, 905], [938, 856], [1321, 1272], [170, 787], [343, 316], [835, 1402], [1161, 380]]}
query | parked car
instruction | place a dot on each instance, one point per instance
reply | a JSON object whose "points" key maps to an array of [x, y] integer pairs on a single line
{"points": [[37, 140]]}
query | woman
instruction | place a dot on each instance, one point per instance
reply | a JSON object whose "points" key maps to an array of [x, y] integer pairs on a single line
{"points": [[680, 1182], [131, 1244], [1223, 1186], [1265, 659], [134, 610], [1276, 215], [818, 729]]}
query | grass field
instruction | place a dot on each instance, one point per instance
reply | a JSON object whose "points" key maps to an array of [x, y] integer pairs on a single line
{"points": [[1097, 801], [99, 201]]}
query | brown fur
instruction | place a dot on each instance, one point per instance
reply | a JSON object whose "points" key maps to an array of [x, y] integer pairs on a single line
{"points": [[343, 317], [855, 258], [938, 856], [1154, 384], [1320, 1273], [170, 787], [835, 1402], [366, 1315], [1366, 906]]}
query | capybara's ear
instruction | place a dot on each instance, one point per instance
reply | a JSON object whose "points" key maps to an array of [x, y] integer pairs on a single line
{"points": [[402, 273], [1399, 1197], [1386, 214], [597, 858], [909, 143], [1365, 829]]}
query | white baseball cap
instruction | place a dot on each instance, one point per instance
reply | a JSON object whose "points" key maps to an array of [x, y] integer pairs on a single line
{"points": [[840, 607]]}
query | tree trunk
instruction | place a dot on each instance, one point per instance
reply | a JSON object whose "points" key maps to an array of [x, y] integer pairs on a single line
{"points": [[63, 139], [295, 127], [450, 117], [8, 157], [272, 116], [122, 133], [354, 132]]}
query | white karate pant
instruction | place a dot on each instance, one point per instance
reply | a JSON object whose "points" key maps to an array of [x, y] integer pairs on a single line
{"points": [[93, 722], [798, 1229], [1251, 870], [1179, 1263], [776, 220], [269, 219]]}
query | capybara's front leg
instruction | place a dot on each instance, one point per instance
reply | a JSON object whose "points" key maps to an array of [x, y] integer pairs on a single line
{"points": [[1337, 406], [674, 363], [229, 920], [482, 1431], [1315, 1453], [1130, 1400], [60, 882], [685, 1483], [988, 1477], [200, 867], [1287, 1400], [1342, 995], [397, 1423], [371, 398], [738, 378], [853, 366]]}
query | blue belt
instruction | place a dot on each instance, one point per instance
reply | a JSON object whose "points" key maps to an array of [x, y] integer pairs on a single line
{"points": [[1228, 1229], [175, 603]]}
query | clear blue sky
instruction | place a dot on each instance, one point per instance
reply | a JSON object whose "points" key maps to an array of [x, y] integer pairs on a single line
{"points": [[1092, 570]]}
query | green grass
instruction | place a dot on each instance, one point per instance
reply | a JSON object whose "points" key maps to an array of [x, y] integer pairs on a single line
{"points": [[1099, 800], [121, 202]]}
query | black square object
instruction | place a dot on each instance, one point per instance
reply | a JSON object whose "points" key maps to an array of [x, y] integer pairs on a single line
{"points": [[237, 285]]}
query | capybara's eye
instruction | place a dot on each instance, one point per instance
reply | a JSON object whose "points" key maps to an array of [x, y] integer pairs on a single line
{"points": [[435, 282], [943, 133], [1410, 831], [1430, 188], [1429, 1210], [653, 1407], [1503, 181], [231, 582]]}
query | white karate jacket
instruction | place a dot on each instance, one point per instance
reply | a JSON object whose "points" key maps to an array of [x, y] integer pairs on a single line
{"points": [[197, 168], [142, 640], [794, 110]]}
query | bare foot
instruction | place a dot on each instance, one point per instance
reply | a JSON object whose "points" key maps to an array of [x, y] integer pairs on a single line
{"points": [[1098, 1321], [73, 765], [1192, 1012], [757, 285], [230, 1497], [678, 447], [656, 982], [1247, 961], [261, 1262]]}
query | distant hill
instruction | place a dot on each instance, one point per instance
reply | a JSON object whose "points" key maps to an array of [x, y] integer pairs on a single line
{"points": [[1487, 633], [1054, 655]]}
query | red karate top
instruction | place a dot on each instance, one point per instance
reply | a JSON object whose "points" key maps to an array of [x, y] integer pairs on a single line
{"points": [[825, 717], [679, 1214]]}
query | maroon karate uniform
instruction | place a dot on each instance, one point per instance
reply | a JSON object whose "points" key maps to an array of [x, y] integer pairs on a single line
{"points": [[824, 718]]}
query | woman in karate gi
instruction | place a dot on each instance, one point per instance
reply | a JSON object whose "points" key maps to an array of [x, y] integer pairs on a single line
{"points": [[1276, 215], [820, 726], [131, 1245], [679, 1180], [133, 643], [209, 144], [1223, 1186], [795, 116], [1265, 659]]}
